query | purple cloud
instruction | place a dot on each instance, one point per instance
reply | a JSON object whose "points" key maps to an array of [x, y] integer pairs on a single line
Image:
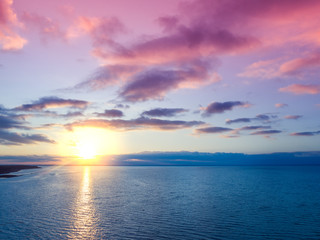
{"points": [[306, 134], [266, 132], [154, 83], [212, 130], [11, 138], [52, 102], [259, 117], [111, 113], [295, 117], [221, 107], [108, 75], [7, 122], [250, 128], [164, 112], [141, 123]]}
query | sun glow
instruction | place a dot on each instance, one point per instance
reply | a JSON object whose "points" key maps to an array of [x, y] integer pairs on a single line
{"points": [[89, 143]]}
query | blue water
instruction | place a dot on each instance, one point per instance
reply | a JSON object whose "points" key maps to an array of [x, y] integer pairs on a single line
{"points": [[162, 203]]}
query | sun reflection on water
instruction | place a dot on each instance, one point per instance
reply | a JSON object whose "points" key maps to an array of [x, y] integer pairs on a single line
{"points": [[84, 226]]}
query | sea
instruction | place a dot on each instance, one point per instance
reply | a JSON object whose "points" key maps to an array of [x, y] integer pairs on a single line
{"points": [[162, 202]]}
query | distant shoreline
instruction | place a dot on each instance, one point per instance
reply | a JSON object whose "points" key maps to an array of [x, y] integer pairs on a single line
{"points": [[5, 169]]}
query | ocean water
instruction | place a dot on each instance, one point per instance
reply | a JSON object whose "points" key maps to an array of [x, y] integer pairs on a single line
{"points": [[281, 202]]}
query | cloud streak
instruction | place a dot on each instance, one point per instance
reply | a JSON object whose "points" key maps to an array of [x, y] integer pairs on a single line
{"points": [[164, 112], [260, 117], [52, 102], [305, 134], [300, 89], [112, 113], [266, 132], [141, 123], [221, 107], [294, 117], [212, 130], [10, 138]]}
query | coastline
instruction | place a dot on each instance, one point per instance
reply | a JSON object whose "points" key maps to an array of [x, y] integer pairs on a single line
{"points": [[6, 169]]}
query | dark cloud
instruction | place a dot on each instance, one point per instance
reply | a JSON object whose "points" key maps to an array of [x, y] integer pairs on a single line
{"points": [[11, 138], [266, 132], [250, 128], [238, 120], [293, 117], [221, 107], [164, 112], [212, 130], [113, 113], [29, 159], [307, 134], [52, 102], [10, 121], [260, 117], [141, 123]]}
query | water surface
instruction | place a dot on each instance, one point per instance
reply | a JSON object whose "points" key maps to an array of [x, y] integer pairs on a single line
{"points": [[162, 203]]}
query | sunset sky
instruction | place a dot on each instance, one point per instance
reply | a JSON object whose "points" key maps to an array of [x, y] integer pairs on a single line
{"points": [[84, 78]]}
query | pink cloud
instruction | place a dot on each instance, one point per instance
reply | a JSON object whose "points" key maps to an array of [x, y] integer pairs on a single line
{"points": [[281, 105], [297, 65], [301, 89], [295, 117], [262, 69], [10, 40], [273, 68], [47, 28], [202, 29]]}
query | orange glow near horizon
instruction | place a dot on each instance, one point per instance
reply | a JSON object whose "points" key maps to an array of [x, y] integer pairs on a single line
{"points": [[87, 144]]}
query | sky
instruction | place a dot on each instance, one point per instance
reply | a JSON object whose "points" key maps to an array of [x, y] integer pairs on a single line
{"points": [[91, 78]]}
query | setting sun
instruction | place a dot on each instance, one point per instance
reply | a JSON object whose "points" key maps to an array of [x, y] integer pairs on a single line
{"points": [[88, 143]]}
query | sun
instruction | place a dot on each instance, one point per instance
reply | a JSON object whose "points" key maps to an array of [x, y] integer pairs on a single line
{"points": [[87, 148], [89, 143]]}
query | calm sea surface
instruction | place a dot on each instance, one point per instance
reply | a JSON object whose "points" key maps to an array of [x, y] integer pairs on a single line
{"points": [[162, 203]]}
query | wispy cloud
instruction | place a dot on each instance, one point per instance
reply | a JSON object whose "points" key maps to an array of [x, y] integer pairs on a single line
{"points": [[221, 107], [113, 113], [141, 123], [295, 117], [212, 130], [11, 138], [10, 121], [164, 112], [306, 134], [52, 102], [45, 26], [299, 65], [260, 117], [300, 89], [266, 132], [156, 82], [281, 105]]}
